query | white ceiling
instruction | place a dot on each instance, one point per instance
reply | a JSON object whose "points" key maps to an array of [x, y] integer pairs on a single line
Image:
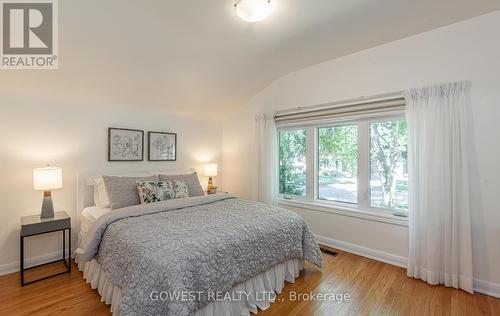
{"points": [[188, 55]]}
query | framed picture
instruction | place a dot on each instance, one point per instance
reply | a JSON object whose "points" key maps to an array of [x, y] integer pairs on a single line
{"points": [[162, 146], [125, 144]]}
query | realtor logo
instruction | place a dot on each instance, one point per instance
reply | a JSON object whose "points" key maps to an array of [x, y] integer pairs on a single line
{"points": [[29, 35]]}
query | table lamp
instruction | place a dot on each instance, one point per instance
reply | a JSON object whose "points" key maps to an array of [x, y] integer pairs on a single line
{"points": [[46, 179], [210, 171]]}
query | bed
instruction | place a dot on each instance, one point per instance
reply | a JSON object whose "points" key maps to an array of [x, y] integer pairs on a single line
{"points": [[201, 255]]}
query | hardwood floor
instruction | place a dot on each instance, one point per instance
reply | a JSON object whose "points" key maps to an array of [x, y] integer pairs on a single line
{"points": [[375, 288]]}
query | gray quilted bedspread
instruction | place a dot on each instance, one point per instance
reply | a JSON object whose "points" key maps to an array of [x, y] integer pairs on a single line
{"points": [[196, 245]]}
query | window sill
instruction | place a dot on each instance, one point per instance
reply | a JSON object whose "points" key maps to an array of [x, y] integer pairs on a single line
{"points": [[346, 211]]}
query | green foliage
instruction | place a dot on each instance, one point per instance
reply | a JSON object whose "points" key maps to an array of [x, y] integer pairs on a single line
{"points": [[292, 159], [338, 157], [338, 150], [388, 150]]}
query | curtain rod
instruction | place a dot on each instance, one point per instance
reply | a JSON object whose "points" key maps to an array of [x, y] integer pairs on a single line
{"points": [[378, 97]]}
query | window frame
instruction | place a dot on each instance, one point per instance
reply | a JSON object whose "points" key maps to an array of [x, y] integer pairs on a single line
{"points": [[362, 208]]}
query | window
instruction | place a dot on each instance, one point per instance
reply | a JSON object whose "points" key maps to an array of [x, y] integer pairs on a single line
{"points": [[358, 164], [388, 165], [292, 162], [338, 163]]}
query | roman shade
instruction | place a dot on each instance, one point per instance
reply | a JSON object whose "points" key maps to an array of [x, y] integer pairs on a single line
{"points": [[335, 111]]}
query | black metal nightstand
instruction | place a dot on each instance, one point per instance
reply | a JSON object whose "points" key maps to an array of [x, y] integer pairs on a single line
{"points": [[33, 225]]}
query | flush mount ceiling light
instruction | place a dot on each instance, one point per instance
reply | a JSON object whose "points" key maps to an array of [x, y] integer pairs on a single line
{"points": [[253, 10]]}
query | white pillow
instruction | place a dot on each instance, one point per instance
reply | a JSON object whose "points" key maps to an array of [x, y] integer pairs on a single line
{"points": [[101, 198]]}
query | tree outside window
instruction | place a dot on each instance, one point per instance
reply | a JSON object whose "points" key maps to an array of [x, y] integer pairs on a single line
{"points": [[389, 176], [292, 162]]}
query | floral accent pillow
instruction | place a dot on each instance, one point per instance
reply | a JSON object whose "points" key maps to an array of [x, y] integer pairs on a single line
{"points": [[156, 191], [180, 189]]}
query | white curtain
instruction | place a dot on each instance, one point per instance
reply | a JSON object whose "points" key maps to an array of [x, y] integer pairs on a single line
{"points": [[439, 209], [267, 158]]}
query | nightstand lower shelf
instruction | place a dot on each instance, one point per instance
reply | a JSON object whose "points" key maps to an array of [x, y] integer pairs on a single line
{"points": [[33, 226], [67, 262]]}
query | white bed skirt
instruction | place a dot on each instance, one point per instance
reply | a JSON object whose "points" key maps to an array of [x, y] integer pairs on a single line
{"points": [[272, 280]]}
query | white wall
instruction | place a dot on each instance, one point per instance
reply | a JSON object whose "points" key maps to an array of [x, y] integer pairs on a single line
{"points": [[467, 50], [72, 133]]}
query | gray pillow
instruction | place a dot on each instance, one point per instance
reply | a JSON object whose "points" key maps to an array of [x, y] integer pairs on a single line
{"points": [[122, 191], [191, 180]]}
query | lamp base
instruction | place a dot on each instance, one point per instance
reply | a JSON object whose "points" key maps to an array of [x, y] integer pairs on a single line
{"points": [[210, 187], [47, 206]]}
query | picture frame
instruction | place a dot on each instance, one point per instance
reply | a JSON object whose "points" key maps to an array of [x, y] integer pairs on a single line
{"points": [[125, 144], [162, 146]]}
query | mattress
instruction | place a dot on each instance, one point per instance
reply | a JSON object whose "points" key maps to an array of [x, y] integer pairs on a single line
{"points": [[94, 212], [88, 216]]}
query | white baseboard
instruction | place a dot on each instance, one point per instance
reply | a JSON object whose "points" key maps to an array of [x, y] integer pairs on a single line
{"points": [[12, 267], [487, 288], [363, 251], [480, 286]]}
